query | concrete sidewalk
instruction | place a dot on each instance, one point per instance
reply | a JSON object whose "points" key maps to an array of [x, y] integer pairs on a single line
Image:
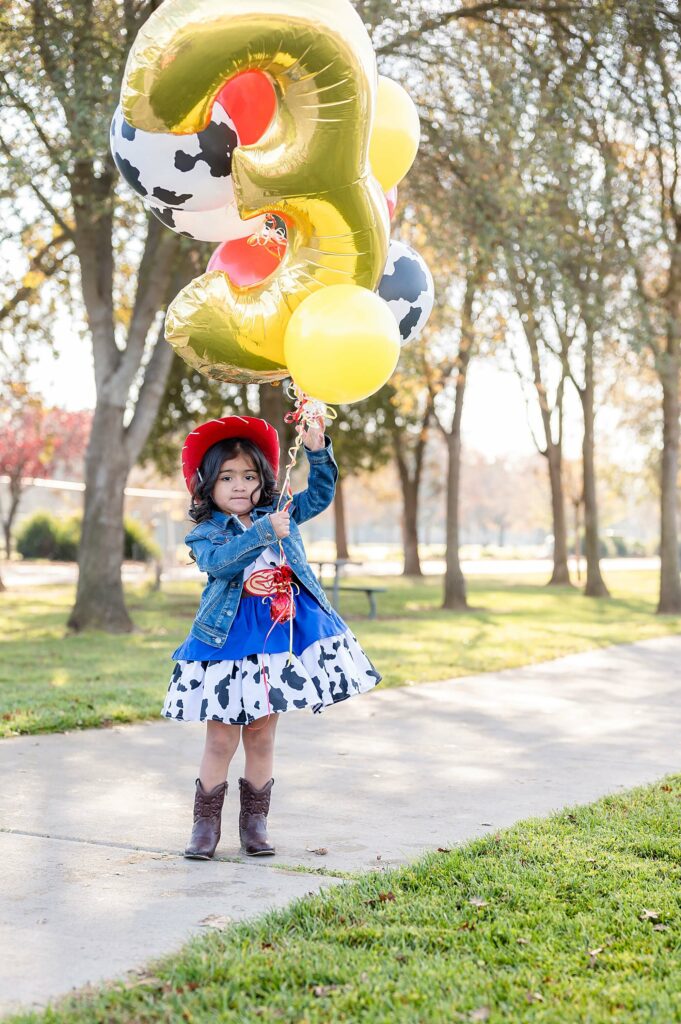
{"points": [[93, 823]]}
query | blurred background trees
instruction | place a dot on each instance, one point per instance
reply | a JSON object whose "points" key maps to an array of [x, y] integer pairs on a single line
{"points": [[545, 199]]}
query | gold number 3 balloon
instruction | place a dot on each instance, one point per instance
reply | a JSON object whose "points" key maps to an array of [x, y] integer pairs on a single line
{"points": [[310, 166]]}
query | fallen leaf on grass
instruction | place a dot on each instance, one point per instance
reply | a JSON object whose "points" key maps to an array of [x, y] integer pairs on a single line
{"points": [[522, 941], [534, 997], [321, 851], [660, 927], [666, 789], [324, 990], [649, 915], [593, 954], [190, 986], [215, 921], [443, 849], [383, 897], [477, 902], [482, 1013], [144, 979]]}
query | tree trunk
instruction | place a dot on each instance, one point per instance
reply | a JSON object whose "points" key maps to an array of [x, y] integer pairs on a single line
{"points": [[410, 538], [339, 522], [578, 544], [407, 450], [273, 408], [454, 598], [409, 485], [99, 598], [526, 303], [561, 574], [455, 584], [670, 583], [8, 522], [595, 584], [114, 447]]}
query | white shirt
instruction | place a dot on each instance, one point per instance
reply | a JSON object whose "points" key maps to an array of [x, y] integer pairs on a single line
{"points": [[267, 559]]}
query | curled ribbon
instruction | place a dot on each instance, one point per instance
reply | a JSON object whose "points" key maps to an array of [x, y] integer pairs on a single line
{"points": [[272, 235]]}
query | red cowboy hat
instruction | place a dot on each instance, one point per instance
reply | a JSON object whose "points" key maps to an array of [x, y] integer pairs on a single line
{"points": [[258, 431]]}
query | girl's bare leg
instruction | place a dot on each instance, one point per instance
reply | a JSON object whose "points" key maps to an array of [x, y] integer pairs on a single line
{"points": [[258, 741], [221, 743]]}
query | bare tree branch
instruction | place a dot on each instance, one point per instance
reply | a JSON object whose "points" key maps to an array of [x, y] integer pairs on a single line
{"points": [[473, 11]]}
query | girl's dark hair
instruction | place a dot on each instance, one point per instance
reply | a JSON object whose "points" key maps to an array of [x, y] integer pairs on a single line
{"points": [[202, 504]]}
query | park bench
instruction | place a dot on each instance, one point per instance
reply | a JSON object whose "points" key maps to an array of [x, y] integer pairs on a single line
{"points": [[339, 564], [370, 593]]}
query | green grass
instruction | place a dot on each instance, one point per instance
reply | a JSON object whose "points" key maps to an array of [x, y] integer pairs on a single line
{"points": [[571, 920], [52, 680]]}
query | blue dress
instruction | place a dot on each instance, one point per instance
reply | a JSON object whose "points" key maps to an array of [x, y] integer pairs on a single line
{"points": [[227, 684]]}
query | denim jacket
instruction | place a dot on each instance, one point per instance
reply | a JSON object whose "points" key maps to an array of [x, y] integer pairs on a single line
{"points": [[223, 547]]}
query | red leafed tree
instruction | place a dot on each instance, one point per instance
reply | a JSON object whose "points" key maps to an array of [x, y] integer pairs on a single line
{"points": [[35, 442]]}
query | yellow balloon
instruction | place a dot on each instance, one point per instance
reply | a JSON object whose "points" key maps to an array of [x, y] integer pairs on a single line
{"points": [[311, 166], [395, 136], [342, 344]]}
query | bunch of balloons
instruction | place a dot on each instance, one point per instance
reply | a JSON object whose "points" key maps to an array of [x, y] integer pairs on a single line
{"points": [[263, 125]]}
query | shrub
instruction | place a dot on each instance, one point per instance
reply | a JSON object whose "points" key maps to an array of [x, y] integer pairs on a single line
{"points": [[45, 536], [67, 539], [37, 536], [139, 544]]}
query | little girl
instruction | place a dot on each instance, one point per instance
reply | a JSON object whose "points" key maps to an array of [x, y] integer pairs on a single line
{"points": [[238, 670]]}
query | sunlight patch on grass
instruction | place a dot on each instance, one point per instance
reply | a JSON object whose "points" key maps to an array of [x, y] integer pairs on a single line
{"points": [[76, 680]]}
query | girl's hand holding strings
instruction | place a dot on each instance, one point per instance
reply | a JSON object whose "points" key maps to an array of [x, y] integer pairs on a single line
{"points": [[313, 437], [281, 523]]}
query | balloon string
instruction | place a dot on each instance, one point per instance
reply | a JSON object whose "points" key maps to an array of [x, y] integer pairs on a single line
{"points": [[307, 412]]}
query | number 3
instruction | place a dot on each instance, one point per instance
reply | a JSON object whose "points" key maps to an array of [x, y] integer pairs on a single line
{"points": [[311, 165]]}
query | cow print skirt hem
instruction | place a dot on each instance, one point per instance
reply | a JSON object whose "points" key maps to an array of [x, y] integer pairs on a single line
{"points": [[328, 671]]}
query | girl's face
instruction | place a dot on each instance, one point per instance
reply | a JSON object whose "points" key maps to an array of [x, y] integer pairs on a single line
{"points": [[238, 486]]}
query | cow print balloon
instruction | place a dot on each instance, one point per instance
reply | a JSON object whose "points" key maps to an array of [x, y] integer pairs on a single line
{"points": [[221, 225], [180, 172], [407, 287]]}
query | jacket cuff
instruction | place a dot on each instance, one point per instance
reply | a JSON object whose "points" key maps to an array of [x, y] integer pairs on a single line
{"points": [[266, 530], [323, 454]]}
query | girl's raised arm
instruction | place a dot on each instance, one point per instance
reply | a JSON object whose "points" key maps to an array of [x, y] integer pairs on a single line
{"points": [[321, 484]]}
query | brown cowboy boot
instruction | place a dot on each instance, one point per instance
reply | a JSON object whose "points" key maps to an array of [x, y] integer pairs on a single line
{"points": [[207, 814], [255, 806]]}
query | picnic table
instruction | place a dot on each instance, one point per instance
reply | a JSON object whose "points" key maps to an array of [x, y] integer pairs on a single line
{"points": [[338, 565]]}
